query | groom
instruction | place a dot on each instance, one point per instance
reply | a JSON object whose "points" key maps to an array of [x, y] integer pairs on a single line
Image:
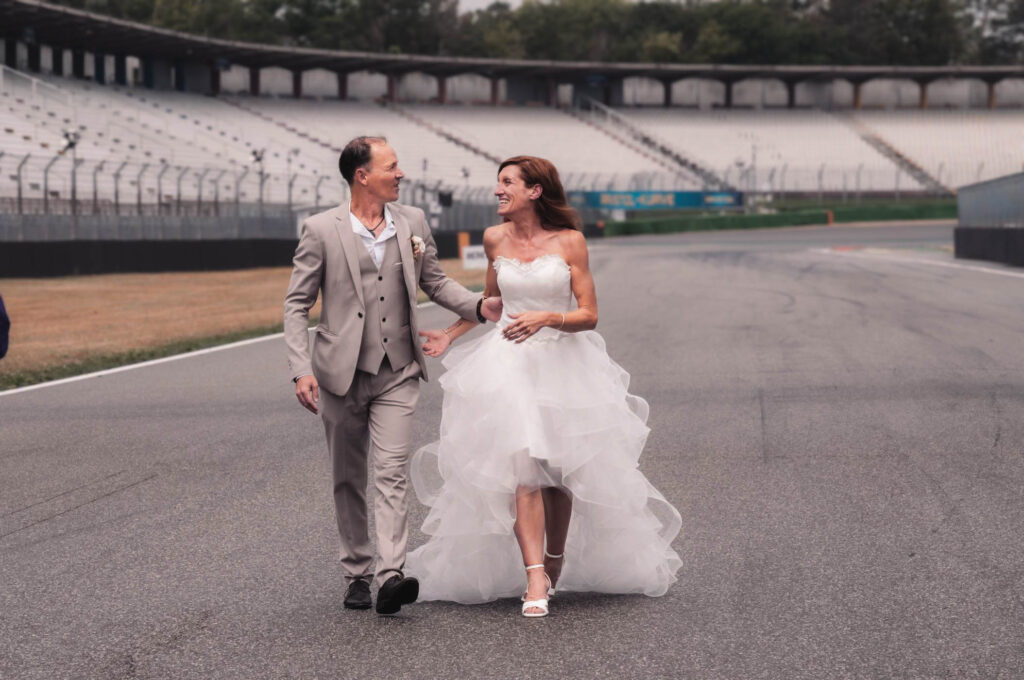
{"points": [[366, 259]]}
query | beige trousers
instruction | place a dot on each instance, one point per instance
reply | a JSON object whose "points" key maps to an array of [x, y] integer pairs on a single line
{"points": [[372, 421]]}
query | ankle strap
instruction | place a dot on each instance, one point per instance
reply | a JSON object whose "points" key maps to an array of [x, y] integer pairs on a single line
{"points": [[534, 566], [554, 557]]}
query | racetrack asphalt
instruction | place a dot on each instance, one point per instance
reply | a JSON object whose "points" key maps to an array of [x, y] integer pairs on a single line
{"points": [[837, 413]]}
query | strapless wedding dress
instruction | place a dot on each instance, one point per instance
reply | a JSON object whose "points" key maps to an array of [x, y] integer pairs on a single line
{"points": [[551, 411]]}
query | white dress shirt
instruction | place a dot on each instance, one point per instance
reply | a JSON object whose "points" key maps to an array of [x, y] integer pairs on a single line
{"points": [[374, 246]]}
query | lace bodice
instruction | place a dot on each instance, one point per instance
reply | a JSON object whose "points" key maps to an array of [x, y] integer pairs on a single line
{"points": [[542, 284]]}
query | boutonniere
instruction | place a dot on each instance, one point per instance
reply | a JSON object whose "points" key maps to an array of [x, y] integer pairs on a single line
{"points": [[418, 246]]}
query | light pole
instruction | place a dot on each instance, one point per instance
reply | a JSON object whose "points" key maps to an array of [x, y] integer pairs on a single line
{"points": [[216, 192], [117, 188], [199, 194], [96, 188], [257, 157], [164, 167], [138, 188], [21, 166], [181, 176], [71, 138], [46, 184], [316, 193]]}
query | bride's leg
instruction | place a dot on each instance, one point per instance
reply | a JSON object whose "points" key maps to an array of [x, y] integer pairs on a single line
{"points": [[529, 528], [557, 513]]}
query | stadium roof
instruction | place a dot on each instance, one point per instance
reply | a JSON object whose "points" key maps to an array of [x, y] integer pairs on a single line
{"points": [[77, 29]]}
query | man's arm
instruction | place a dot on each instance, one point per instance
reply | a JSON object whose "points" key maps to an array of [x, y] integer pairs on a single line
{"points": [[440, 288], [307, 274]]}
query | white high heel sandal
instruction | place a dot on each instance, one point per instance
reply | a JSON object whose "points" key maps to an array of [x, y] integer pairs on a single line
{"points": [[541, 604], [551, 589]]}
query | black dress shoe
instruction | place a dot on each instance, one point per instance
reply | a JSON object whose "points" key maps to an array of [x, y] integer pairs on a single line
{"points": [[358, 595], [395, 592]]}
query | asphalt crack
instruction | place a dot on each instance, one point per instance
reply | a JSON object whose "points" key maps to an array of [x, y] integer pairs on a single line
{"points": [[80, 505]]}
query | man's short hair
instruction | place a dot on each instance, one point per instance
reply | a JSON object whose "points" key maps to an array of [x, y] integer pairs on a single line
{"points": [[356, 154]]}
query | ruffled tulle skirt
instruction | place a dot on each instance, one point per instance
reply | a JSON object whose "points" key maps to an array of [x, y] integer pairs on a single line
{"points": [[552, 411]]}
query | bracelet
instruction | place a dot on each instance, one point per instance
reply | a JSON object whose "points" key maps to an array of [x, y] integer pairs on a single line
{"points": [[480, 303], [563, 321], [445, 331]]}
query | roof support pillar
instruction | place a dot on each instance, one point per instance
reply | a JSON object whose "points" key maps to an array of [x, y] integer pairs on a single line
{"points": [[342, 84], [297, 84], [156, 74], [495, 90], [120, 69], [214, 79], [99, 67], [254, 81], [442, 89], [991, 86], [790, 93], [923, 97], [180, 82], [57, 60], [728, 93], [392, 93], [666, 88], [78, 63], [33, 56], [10, 51], [858, 90], [551, 91]]}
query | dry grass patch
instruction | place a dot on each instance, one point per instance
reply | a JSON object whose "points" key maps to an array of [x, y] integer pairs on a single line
{"points": [[65, 321]]}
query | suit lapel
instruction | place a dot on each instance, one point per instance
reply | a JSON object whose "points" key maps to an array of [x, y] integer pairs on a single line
{"points": [[349, 243], [404, 236]]}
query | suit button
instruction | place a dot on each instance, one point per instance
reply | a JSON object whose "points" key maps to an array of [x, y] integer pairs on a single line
{"points": [[360, 315], [385, 339], [380, 278], [382, 298], [384, 320]]}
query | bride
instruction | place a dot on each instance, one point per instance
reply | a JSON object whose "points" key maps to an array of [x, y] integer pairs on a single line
{"points": [[539, 437]]}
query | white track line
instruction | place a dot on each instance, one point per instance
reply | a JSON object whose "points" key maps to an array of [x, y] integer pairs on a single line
{"points": [[153, 362], [920, 260]]}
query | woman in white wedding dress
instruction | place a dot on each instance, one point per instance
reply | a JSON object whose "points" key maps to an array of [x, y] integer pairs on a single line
{"points": [[540, 439]]}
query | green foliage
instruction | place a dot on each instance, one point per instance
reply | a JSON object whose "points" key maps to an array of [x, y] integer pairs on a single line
{"points": [[910, 32]]}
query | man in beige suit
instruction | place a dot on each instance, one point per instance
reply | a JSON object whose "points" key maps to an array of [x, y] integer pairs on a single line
{"points": [[366, 259]]}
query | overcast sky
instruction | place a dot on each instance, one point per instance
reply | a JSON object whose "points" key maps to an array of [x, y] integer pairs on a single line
{"points": [[470, 5]]}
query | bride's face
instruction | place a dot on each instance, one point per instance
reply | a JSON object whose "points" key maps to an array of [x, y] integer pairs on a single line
{"points": [[513, 194]]}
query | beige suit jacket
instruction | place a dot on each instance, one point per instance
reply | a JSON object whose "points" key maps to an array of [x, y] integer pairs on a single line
{"points": [[327, 262]]}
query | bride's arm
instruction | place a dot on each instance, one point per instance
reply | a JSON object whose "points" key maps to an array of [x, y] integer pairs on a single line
{"points": [[437, 342], [574, 248]]}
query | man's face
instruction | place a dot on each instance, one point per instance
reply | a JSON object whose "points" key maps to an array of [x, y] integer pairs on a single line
{"points": [[381, 176]]}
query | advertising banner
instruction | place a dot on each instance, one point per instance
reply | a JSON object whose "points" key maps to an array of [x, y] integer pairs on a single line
{"points": [[655, 200]]}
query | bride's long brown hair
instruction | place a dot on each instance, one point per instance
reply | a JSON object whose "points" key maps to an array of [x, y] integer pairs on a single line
{"points": [[552, 207]]}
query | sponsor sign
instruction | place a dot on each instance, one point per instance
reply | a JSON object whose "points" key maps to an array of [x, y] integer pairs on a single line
{"points": [[474, 257], [655, 200]]}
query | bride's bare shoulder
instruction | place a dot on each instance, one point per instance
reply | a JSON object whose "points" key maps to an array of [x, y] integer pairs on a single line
{"points": [[574, 246], [493, 238]]}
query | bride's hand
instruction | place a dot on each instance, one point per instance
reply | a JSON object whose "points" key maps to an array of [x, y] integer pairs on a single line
{"points": [[436, 342], [527, 324]]}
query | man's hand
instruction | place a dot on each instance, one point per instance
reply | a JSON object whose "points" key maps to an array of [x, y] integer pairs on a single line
{"points": [[436, 342], [308, 392], [491, 308]]}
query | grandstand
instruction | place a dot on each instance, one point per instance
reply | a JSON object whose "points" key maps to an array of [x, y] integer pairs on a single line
{"points": [[160, 138], [169, 142]]}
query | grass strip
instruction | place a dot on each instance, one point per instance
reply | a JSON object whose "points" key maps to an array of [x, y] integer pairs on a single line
{"points": [[785, 218], [101, 362]]}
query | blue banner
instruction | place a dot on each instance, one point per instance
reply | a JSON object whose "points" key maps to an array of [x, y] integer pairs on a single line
{"points": [[655, 200]]}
